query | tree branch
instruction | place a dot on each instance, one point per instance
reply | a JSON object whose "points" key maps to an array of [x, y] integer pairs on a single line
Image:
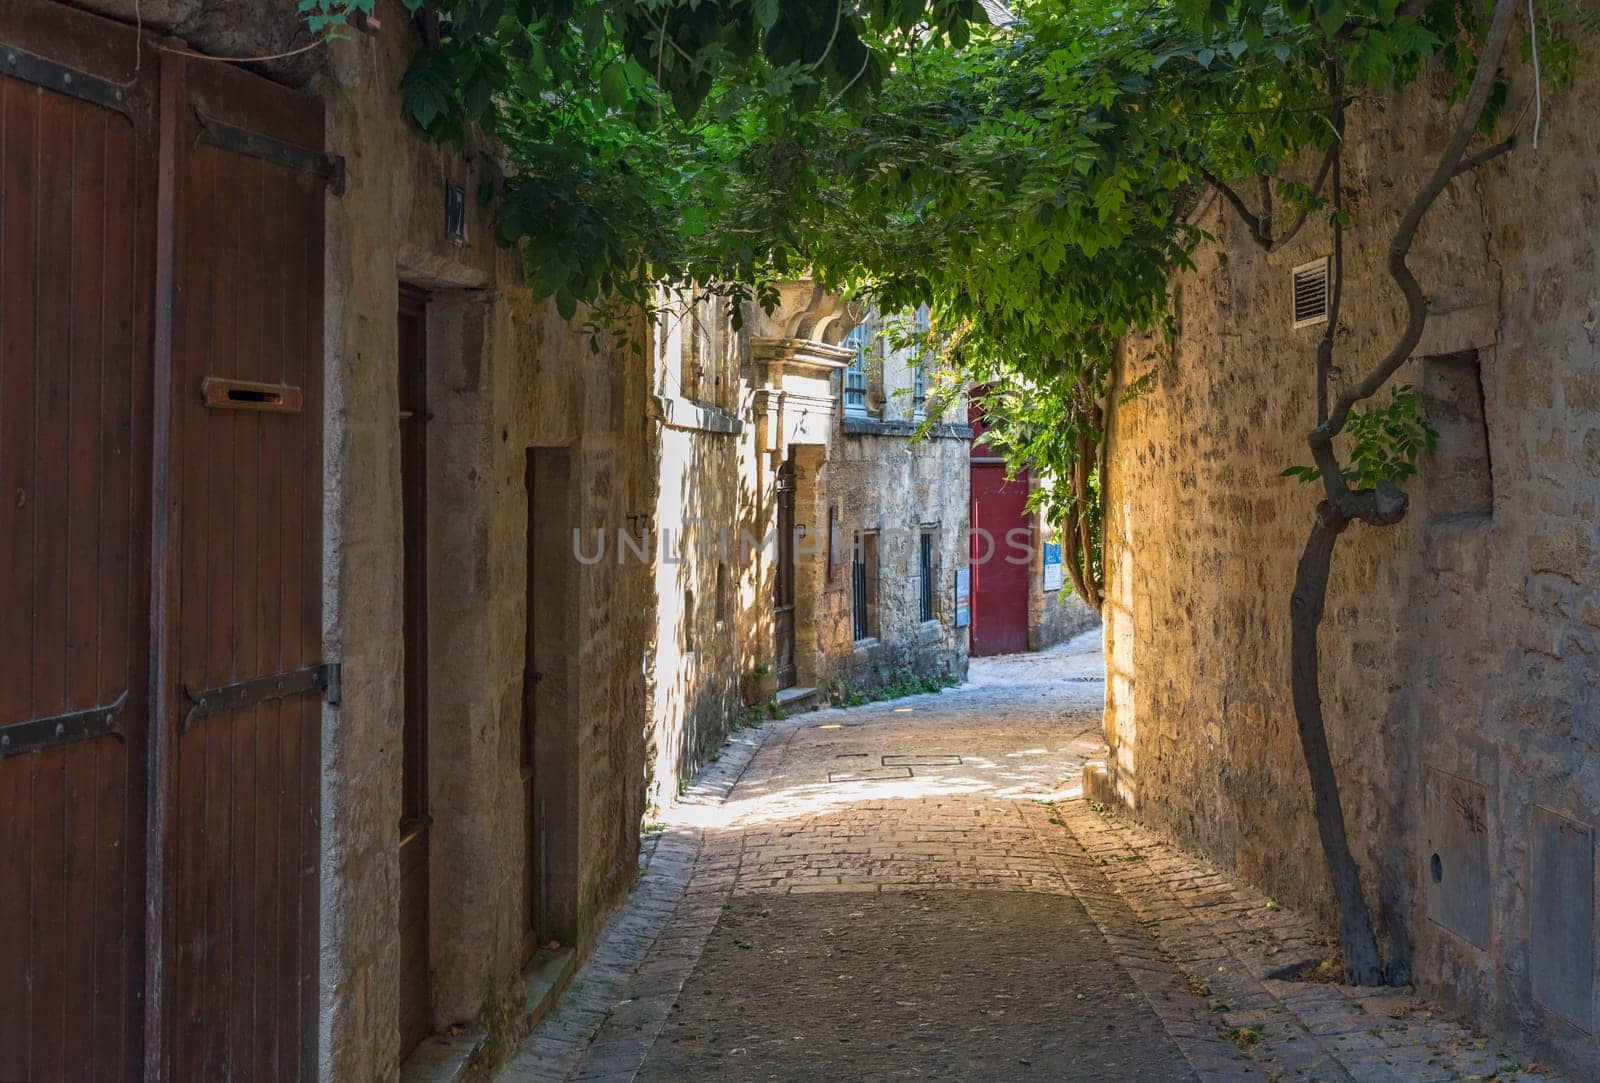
{"points": [[1265, 216], [1316, 191], [1335, 162], [1233, 197], [1364, 505], [1487, 154]]}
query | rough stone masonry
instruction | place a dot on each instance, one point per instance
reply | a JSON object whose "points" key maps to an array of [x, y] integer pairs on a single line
{"points": [[1460, 648]]}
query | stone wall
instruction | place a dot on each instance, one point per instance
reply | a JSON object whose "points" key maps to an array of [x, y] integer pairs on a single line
{"points": [[703, 577], [880, 482], [877, 476], [1459, 648], [1054, 616], [506, 375]]}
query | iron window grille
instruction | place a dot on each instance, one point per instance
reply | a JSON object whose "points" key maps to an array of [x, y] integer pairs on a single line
{"points": [[925, 569], [863, 585]]}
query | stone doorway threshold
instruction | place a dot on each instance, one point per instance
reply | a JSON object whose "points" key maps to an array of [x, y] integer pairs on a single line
{"points": [[445, 1058]]}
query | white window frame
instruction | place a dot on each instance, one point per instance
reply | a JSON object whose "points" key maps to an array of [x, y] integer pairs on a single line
{"points": [[853, 392]]}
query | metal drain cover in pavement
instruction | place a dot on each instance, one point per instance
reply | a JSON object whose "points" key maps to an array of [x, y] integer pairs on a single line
{"points": [[1088, 680], [870, 774]]}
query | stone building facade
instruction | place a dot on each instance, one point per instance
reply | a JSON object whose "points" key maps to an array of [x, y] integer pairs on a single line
{"points": [[889, 514], [474, 794], [766, 481], [1459, 648]]}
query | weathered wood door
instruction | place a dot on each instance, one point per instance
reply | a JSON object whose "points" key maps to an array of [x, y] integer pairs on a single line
{"points": [[783, 578], [77, 213], [414, 818], [550, 730], [533, 888], [160, 558], [241, 596]]}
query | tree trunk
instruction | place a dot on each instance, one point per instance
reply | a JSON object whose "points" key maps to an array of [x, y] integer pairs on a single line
{"points": [[1362, 963]]}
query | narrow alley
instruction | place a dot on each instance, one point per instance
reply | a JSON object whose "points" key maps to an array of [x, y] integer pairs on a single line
{"points": [[916, 889]]}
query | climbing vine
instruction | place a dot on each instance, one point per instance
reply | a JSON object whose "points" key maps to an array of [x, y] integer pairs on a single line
{"points": [[1032, 182]]}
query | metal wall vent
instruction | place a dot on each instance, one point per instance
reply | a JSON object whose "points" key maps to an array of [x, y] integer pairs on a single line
{"points": [[1310, 284]]}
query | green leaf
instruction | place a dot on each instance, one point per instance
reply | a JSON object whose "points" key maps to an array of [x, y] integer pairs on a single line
{"points": [[614, 86]]}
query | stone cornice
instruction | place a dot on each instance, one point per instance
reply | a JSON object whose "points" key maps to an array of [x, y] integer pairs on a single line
{"points": [[871, 426], [690, 416], [800, 354]]}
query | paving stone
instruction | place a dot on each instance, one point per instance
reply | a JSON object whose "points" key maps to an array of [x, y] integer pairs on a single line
{"points": [[963, 922]]}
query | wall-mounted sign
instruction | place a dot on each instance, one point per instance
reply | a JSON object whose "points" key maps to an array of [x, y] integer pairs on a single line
{"points": [[455, 213], [963, 597], [1052, 566]]}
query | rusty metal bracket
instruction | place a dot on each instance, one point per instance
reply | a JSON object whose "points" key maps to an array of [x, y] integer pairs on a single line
{"points": [[19, 737], [323, 677], [228, 137], [53, 75]]}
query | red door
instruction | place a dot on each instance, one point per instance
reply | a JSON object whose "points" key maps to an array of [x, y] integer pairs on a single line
{"points": [[1000, 565]]}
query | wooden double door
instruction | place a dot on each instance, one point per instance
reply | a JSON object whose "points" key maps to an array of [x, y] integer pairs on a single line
{"points": [[161, 676]]}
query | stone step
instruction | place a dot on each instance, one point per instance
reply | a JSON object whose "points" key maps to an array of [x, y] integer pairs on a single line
{"points": [[798, 700]]}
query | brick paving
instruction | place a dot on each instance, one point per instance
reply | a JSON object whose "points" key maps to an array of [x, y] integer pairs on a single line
{"points": [[917, 889]]}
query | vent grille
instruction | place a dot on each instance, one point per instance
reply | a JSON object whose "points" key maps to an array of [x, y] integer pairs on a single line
{"points": [[1310, 284]]}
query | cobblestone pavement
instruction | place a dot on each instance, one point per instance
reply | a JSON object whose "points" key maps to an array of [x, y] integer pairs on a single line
{"points": [[916, 889]]}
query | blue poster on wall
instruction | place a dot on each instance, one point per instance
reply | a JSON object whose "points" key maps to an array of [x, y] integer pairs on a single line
{"points": [[1052, 566], [963, 597]]}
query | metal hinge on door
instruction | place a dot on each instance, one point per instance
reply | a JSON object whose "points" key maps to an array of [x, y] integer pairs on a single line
{"points": [[255, 145], [19, 737], [323, 677], [52, 75]]}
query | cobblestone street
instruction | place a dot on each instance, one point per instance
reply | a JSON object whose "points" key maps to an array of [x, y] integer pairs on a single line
{"points": [[916, 889]]}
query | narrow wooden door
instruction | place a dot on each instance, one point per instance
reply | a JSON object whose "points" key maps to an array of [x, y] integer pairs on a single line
{"points": [[414, 818], [239, 594], [783, 578], [533, 887], [77, 212], [550, 727]]}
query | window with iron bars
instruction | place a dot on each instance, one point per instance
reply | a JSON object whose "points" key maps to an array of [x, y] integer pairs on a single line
{"points": [[925, 570], [864, 584], [855, 375]]}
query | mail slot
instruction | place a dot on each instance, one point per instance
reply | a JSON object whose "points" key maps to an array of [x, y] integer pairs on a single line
{"points": [[221, 394]]}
